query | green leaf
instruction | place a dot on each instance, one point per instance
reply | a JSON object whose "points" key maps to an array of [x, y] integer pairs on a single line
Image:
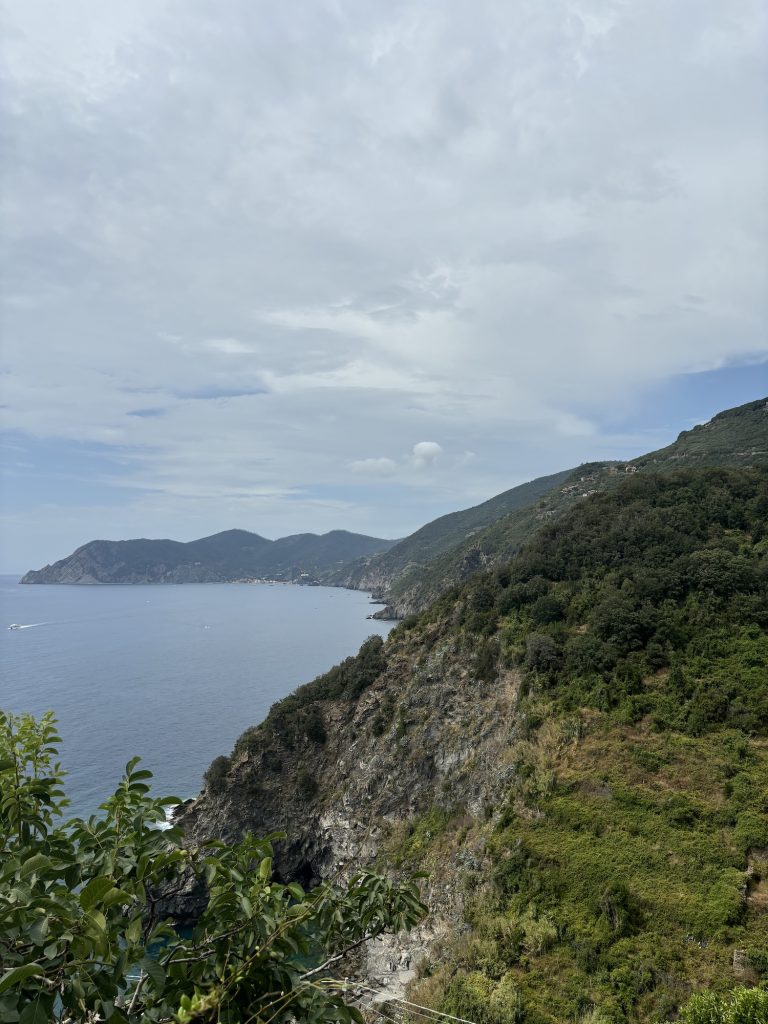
{"points": [[96, 889], [133, 931], [35, 865], [155, 972], [35, 1013], [115, 896], [19, 974], [39, 930], [97, 919]]}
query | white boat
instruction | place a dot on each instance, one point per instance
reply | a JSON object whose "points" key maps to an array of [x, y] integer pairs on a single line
{"points": [[14, 625]]}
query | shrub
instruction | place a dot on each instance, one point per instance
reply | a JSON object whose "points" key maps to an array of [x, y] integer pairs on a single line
{"points": [[215, 776], [619, 909], [306, 785], [541, 653], [741, 1006], [314, 725], [81, 941], [546, 609]]}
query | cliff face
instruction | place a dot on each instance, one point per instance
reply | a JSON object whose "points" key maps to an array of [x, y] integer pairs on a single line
{"points": [[574, 748], [427, 733], [412, 740]]}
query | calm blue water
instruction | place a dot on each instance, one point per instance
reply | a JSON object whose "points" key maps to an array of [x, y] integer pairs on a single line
{"points": [[173, 673]]}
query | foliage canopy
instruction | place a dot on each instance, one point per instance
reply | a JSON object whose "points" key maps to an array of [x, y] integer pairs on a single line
{"points": [[85, 936]]}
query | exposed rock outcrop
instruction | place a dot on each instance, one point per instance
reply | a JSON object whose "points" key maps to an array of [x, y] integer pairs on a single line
{"points": [[428, 734]]}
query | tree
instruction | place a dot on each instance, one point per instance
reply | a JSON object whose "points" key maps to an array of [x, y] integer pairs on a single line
{"points": [[84, 938]]}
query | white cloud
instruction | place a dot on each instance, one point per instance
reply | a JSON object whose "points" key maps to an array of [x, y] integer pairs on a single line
{"points": [[286, 238], [229, 346], [425, 453], [374, 467]]}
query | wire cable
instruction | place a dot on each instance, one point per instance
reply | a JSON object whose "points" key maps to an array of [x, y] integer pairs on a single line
{"points": [[412, 1007]]}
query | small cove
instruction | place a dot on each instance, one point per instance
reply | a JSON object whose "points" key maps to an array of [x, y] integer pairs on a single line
{"points": [[172, 673]]}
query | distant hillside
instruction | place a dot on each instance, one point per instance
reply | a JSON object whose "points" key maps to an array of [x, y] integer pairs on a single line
{"points": [[441, 535], [225, 557], [736, 437]]}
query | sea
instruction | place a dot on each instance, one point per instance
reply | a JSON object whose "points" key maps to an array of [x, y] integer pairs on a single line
{"points": [[172, 673]]}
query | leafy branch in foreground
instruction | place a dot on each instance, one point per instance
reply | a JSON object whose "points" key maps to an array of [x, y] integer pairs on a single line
{"points": [[83, 933]]}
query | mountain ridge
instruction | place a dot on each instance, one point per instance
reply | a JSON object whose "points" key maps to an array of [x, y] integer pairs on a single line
{"points": [[733, 437], [228, 556], [407, 574], [439, 535]]}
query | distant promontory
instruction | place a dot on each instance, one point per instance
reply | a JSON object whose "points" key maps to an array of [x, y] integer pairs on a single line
{"points": [[228, 557]]}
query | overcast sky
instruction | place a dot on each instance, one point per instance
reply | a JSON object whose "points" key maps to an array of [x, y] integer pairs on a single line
{"points": [[345, 263]]}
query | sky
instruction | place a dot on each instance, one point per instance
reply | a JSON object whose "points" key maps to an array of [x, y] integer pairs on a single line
{"points": [[352, 264]]}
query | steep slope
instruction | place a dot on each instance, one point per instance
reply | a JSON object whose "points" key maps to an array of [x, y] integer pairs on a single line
{"points": [[227, 556], [736, 437], [574, 746], [440, 535]]}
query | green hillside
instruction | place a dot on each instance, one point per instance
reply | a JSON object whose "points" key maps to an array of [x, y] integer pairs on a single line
{"points": [[574, 747], [627, 860], [443, 534], [736, 437]]}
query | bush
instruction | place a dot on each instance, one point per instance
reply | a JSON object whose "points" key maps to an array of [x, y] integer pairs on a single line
{"points": [[619, 909], [487, 657], [541, 653], [81, 940], [306, 785], [546, 609], [314, 725], [216, 775]]}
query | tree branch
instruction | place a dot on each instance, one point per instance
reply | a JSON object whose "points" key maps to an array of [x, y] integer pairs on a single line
{"points": [[334, 959]]}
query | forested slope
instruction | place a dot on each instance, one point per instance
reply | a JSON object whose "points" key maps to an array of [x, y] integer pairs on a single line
{"points": [[574, 746], [443, 534], [735, 437]]}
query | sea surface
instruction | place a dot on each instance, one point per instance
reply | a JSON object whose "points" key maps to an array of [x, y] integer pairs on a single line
{"points": [[171, 673]]}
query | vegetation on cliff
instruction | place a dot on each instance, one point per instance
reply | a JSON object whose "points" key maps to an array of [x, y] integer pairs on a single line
{"points": [[734, 438], [443, 534], [575, 746], [627, 860], [83, 934]]}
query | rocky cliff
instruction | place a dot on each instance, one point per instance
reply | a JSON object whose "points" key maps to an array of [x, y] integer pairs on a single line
{"points": [[573, 747]]}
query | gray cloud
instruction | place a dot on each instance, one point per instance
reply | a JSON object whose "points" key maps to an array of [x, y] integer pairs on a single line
{"points": [[342, 222]]}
